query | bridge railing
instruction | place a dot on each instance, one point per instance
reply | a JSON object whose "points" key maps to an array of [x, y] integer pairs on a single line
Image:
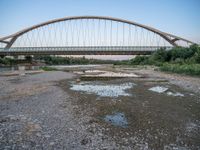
{"points": [[85, 48]]}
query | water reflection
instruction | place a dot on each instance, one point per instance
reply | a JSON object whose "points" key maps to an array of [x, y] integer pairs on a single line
{"points": [[158, 89], [161, 89], [117, 119], [20, 68], [111, 90]]}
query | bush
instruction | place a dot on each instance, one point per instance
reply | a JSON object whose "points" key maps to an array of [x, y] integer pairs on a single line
{"points": [[52, 60], [197, 56], [7, 61], [177, 55], [189, 69], [160, 55], [139, 60]]}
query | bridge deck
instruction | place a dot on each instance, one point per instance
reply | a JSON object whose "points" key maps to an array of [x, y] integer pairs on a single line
{"points": [[85, 50]]}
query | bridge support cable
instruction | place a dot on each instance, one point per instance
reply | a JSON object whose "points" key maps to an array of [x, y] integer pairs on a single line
{"points": [[136, 37], [129, 35], [105, 40], [117, 42], [111, 33], [123, 35], [84, 33]]}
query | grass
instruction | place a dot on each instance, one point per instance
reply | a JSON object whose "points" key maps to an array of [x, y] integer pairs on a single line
{"points": [[188, 69]]}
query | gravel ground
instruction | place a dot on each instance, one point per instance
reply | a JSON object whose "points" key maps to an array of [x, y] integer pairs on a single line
{"points": [[187, 82], [40, 112], [37, 114]]}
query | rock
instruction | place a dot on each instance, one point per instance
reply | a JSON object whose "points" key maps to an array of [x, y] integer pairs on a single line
{"points": [[78, 80], [38, 134], [47, 136], [100, 134], [84, 141], [51, 143]]}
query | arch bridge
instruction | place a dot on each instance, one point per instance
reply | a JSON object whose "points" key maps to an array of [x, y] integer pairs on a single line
{"points": [[88, 35]]}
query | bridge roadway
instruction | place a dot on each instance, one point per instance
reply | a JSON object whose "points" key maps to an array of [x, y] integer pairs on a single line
{"points": [[81, 50]]}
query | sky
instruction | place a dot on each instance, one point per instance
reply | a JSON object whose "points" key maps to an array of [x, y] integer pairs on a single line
{"points": [[178, 17]]}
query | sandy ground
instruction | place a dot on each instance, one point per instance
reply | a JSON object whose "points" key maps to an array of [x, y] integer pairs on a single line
{"points": [[40, 111]]}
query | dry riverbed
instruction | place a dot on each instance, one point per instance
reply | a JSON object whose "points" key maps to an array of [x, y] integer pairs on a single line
{"points": [[99, 108]]}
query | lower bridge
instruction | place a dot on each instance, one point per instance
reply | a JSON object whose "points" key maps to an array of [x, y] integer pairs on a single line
{"points": [[83, 50]]}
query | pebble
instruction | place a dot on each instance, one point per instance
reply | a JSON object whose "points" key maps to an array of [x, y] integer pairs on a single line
{"points": [[38, 134], [47, 136], [100, 134], [51, 143]]}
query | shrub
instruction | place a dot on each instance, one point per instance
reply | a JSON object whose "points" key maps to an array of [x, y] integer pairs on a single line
{"points": [[189, 69], [139, 60], [160, 55]]}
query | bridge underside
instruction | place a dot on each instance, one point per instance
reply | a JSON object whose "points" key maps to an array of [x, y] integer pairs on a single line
{"points": [[94, 50], [76, 53]]}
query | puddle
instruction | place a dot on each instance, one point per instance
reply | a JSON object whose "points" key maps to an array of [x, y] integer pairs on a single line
{"points": [[61, 67], [74, 66], [111, 90], [161, 89], [19, 68], [155, 111], [175, 94], [158, 89], [117, 119]]}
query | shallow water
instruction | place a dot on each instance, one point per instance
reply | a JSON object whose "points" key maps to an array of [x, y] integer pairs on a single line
{"points": [[165, 90], [20, 68], [159, 114], [73, 66], [117, 119], [175, 94], [158, 89], [105, 90]]}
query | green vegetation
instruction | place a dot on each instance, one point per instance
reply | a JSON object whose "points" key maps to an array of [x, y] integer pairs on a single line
{"points": [[177, 60], [7, 61], [52, 60], [56, 60], [189, 69], [46, 68]]}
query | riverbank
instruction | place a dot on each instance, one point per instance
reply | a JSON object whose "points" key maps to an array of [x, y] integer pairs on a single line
{"points": [[191, 83], [59, 110]]}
